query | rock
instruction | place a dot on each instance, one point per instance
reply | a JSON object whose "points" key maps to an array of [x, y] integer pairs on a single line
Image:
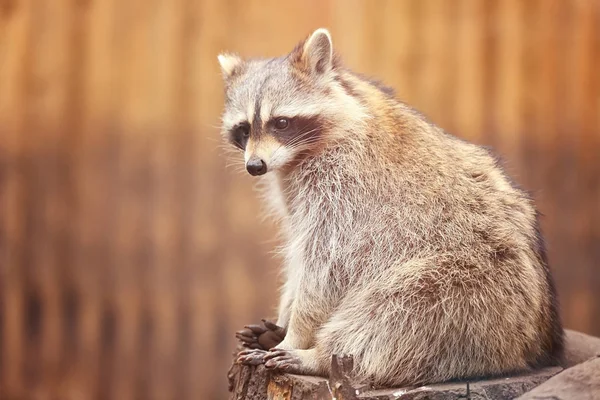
{"points": [[579, 347], [579, 382]]}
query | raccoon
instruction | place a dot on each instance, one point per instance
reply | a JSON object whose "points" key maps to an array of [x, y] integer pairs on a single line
{"points": [[404, 246]]}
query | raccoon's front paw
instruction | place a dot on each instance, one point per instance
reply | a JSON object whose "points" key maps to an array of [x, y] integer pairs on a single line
{"points": [[248, 336], [251, 357], [263, 337], [284, 345], [283, 360]]}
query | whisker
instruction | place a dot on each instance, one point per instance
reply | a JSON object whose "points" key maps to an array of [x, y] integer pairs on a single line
{"points": [[294, 141], [301, 135], [213, 139]]}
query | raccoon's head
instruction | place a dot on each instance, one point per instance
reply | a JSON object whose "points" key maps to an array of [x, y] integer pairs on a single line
{"points": [[281, 109]]}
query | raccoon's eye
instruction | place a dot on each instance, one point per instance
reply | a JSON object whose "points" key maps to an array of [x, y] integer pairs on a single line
{"points": [[281, 123], [239, 135], [244, 130]]}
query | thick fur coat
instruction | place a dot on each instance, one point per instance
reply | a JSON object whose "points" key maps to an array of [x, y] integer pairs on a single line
{"points": [[404, 246]]}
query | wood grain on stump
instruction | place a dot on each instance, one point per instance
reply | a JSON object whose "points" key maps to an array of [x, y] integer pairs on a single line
{"points": [[258, 383]]}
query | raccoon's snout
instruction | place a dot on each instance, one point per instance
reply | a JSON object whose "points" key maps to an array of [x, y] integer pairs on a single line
{"points": [[256, 166]]}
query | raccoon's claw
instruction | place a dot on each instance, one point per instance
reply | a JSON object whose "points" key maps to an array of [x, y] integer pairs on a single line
{"points": [[251, 357], [282, 360], [249, 336], [246, 337]]}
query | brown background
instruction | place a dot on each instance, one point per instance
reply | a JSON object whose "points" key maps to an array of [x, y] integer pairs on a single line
{"points": [[129, 253]]}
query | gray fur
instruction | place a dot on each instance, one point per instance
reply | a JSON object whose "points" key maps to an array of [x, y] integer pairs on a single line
{"points": [[404, 246]]}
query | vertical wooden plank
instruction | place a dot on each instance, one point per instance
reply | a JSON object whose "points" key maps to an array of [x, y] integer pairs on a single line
{"points": [[67, 383], [45, 104], [96, 192], [560, 177], [470, 80], [50, 115], [205, 303], [193, 382], [133, 324], [539, 68], [417, 32], [510, 32], [594, 88], [399, 45], [197, 229], [543, 99], [580, 116], [434, 77], [165, 22], [490, 63], [15, 42], [371, 55], [188, 380], [529, 74], [14, 46]]}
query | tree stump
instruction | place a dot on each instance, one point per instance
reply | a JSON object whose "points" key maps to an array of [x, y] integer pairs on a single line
{"points": [[581, 362], [258, 383]]}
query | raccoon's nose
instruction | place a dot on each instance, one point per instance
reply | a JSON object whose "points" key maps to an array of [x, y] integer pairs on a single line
{"points": [[256, 166]]}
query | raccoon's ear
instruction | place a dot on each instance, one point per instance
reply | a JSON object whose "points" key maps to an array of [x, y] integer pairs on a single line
{"points": [[229, 63], [317, 52]]}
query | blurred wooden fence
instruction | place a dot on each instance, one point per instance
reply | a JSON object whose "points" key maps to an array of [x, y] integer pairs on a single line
{"points": [[129, 254]]}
